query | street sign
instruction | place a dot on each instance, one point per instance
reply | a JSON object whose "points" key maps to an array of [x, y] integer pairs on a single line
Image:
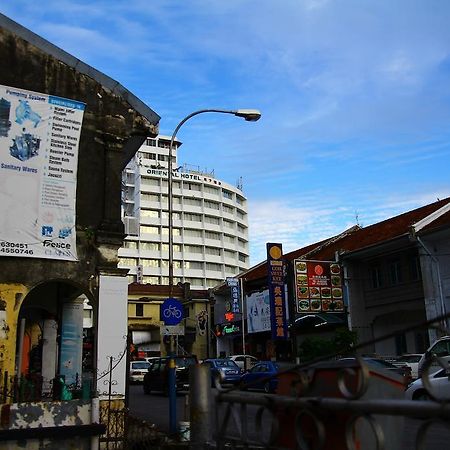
{"points": [[172, 330], [171, 311]]}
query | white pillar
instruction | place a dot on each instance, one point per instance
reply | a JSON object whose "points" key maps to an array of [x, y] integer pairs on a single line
{"points": [[49, 353], [112, 332], [71, 350]]}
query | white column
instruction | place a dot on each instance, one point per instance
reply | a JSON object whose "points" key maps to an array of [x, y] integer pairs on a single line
{"points": [[71, 350], [49, 353], [112, 332]]}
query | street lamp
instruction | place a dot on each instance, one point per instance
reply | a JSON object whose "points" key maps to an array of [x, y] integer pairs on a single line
{"points": [[250, 115]]}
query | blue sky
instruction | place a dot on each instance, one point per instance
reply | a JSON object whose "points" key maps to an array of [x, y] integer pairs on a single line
{"points": [[355, 97]]}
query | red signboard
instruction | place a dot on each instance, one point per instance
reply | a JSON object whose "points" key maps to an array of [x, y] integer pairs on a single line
{"points": [[318, 286]]}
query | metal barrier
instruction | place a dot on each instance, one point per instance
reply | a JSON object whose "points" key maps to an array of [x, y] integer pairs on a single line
{"points": [[332, 405]]}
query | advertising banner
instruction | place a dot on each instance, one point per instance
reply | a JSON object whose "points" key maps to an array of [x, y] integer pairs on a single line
{"points": [[278, 316], [258, 312], [39, 139], [318, 286]]}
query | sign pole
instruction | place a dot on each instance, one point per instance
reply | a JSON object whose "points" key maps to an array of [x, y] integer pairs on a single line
{"points": [[241, 282]]}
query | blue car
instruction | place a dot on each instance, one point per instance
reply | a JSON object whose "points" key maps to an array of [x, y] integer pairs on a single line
{"points": [[262, 376], [224, 371]]}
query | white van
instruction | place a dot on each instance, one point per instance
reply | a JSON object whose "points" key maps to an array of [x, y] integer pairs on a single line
{"points": [[440, 349]]}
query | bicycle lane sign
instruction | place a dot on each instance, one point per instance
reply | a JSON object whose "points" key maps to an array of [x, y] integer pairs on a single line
{"points": [[171, 311]]}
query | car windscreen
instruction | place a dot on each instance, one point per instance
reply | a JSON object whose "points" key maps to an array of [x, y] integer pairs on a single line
{"points": [[225, 363], [410, 358], [141, 365], [184, 362]]}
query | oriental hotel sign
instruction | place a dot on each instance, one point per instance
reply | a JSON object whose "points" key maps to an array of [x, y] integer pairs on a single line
{"points": [[181, 176]]}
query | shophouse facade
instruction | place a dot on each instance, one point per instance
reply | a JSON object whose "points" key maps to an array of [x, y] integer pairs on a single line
{"points": [[394, 277]]}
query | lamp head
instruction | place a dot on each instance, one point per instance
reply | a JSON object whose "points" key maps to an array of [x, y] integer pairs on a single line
{"points": [[251, 115]]}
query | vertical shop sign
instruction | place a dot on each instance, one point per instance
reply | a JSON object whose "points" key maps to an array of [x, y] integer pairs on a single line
{"points": [[233, 283], [275, 270]]}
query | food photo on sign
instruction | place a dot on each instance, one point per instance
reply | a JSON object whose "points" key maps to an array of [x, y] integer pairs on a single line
{"points": [[318, 286]]}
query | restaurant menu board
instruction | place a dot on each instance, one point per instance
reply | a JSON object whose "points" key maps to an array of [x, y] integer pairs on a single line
{"points": [[318, 286]]}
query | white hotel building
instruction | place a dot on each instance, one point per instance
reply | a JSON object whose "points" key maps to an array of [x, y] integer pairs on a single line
{"points": [[210, 234]]}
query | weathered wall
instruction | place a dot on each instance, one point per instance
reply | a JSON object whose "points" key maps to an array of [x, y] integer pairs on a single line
{"points": [[109, 126]]}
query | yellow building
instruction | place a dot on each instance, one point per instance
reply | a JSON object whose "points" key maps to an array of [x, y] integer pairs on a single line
{"points": [[145, 324]]}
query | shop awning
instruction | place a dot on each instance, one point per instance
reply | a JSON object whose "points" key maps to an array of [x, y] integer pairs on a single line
{"points": [[318, 320]]}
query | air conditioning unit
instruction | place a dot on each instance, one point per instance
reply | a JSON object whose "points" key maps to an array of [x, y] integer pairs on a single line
{"points": [[131, 226]]}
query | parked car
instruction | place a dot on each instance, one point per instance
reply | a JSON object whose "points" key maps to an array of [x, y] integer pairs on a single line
{"points": [[137, 371], [157, 377], [223, 371], [441, 349], [263, 376], [411, 360], [440, 387], [241, 359], [403, 370]]}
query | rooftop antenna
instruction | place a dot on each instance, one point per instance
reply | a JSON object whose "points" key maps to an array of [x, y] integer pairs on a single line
{"points": [[239, 183]]}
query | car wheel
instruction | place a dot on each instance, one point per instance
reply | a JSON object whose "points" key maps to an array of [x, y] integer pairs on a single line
{"points": [[216, 381], [267, 388], [421, 395]]}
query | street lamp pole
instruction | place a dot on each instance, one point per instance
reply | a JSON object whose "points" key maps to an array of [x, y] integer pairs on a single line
{"points": [[250, 115]]}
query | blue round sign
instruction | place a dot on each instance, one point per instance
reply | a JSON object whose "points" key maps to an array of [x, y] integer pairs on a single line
{"points": [[171, 311]]}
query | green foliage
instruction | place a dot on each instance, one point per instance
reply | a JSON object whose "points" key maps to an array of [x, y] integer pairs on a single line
{"points": [[316, 347]]}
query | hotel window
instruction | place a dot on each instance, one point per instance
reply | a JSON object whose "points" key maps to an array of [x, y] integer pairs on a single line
{"points": [[211, 205], [163, 158], [212, 235], [127, 261], [175, 215], [212, 251], [395, 271], [130, 244], [240, 228], [176, 264], [192, 217], [149, 246], [213, 282], [139, 309], [150, 280], [150, 181], [229, 254], [228, 209], [195, 265], [145, 197], [149, 230], [150, 262], [211, 190], [175, 231], [189, 232], [212, 220], [191, 186], [151, 142], [242, 257], [376, 276], [227, 194], [214, 267], [240, 214], [176, 247], [231, 270], [228, 238], [193, 249], [239, 200], [192, 201], [228, 224], [149, 213]]}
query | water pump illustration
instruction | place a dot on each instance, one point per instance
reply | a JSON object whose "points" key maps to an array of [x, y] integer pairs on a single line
{"points": [[24, 112], [25, 147]]}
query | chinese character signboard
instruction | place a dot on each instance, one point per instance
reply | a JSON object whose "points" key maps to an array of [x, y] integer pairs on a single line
{"points": [[233, 283], [39, 137], [318, 286], [276, 291]]}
